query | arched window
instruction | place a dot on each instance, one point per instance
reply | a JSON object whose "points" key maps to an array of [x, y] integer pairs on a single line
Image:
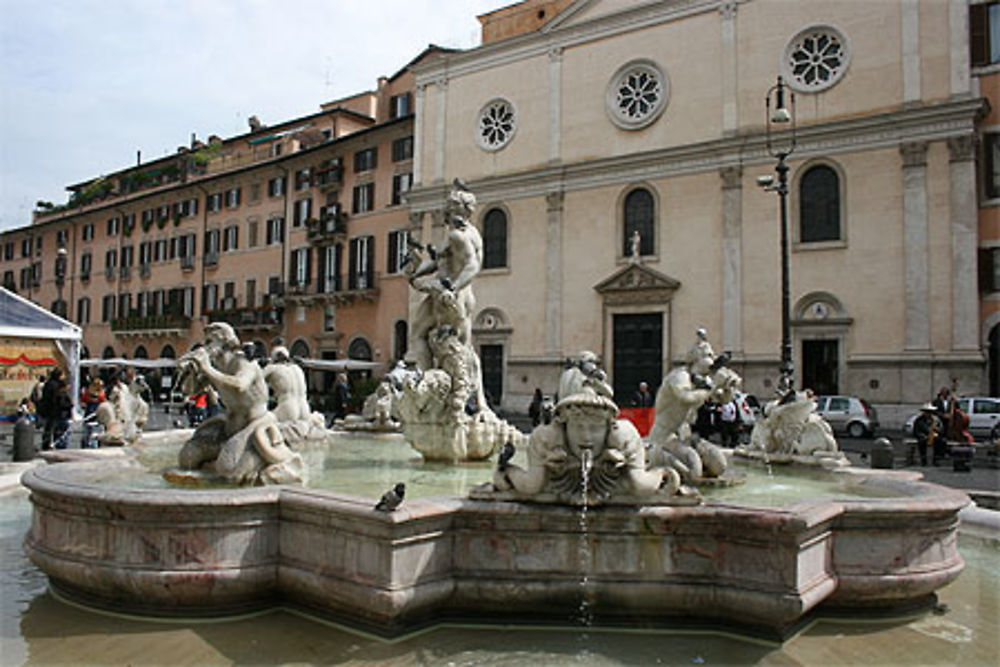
{"points": [[400, 332], [109, 353], [495, 239], [168, 352], [359, 349], [300, 349], [819, 205], [141, 353], [639, 218]]}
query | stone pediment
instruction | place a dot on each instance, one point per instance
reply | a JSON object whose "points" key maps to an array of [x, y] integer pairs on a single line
{"points": [[636, 283]]}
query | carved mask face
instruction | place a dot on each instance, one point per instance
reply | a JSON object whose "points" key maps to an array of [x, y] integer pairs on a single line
{"points": [[586, 430]]}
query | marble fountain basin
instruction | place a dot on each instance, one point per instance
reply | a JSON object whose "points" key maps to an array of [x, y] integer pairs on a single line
{"points": [[887, 544]]}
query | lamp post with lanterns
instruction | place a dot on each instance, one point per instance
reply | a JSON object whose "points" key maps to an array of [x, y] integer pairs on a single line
{"points": [[780, 146]]}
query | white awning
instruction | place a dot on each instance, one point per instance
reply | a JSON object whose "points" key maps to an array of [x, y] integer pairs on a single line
{"points": [[338, 365]]}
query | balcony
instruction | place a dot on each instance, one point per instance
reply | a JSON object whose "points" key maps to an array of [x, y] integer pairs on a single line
{"points": [[150, 325], [145, 270], [360, 287], [260, 319], [211, 259], [125, 272], [329, 227], [109, 273], [85, 276], [187, 263]]}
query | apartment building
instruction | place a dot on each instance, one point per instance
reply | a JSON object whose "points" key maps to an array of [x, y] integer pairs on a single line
{"points": [[291, 232], [984, 24]]}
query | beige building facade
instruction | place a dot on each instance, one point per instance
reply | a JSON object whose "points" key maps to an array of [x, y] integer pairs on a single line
{"points": [[618, 116]]}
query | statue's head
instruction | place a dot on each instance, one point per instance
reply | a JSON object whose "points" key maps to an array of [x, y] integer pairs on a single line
{"points": [[279, 354], [587, 417], [461, 202], [222, 335]]}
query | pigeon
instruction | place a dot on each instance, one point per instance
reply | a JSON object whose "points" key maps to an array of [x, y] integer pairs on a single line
{"points": [[391, 498], [506, 454]]}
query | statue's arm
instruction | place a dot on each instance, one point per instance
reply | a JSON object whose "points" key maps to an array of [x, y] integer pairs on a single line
{"points": [[239, 381]]}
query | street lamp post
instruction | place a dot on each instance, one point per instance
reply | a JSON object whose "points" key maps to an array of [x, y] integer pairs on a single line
{"points": [[780, 147]]}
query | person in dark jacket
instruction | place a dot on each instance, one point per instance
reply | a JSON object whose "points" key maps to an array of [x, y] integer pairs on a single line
{"points": [[62, 410], [46, 409], [535, 409], [926, 429]]}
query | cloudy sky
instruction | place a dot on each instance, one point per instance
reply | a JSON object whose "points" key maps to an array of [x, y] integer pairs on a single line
{"points": [[84, 84]]}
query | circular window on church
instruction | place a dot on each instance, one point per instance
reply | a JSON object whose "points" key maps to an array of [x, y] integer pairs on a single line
{"points": [[816, 59], [496, 125], [637, 94]]}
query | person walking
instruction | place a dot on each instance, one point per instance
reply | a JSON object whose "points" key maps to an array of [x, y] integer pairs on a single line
{"points": [[927, 430], [728, 420], [535, 409], [46, 409], [90, 399], [62, 410], [643, 398], [341, 397]]}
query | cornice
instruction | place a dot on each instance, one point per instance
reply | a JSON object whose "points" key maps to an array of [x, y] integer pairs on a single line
{"points": [[938, 122], [556, 36]]}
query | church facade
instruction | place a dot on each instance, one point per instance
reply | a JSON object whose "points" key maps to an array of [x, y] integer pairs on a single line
{"points": [[616, 148]]}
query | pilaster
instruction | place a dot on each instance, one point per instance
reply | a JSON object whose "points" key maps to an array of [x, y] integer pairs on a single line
{"points": [[440, 128], [553, 272], [730, 107], [555, 103], [915, 245], [910, 56], [732, 258], [964, 279]]}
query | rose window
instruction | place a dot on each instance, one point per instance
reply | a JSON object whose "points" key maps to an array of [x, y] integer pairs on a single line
{"points": [[497, 122], [816, 59], [637, 94]]}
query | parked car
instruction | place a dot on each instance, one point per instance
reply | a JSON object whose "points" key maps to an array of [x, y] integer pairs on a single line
{"points": [[983, 413], [848, 414]]}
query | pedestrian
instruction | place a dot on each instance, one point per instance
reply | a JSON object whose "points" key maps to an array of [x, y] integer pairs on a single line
{"points": [[62, 410], [927, 431], [643, 398], [92, 397], [341, 396], [535, 409], [944, 405], [728, 423], [46, 409], [36, 393]]}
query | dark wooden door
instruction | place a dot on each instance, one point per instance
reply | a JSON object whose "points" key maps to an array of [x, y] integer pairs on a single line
{"points": [[638, 349], [491, 360], [819, 366]]}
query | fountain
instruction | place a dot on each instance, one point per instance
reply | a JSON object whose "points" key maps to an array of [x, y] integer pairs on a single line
{"points": [[573, 512]]}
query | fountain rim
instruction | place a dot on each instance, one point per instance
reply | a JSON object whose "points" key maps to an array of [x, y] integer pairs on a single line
{"points": [[915, 495]]}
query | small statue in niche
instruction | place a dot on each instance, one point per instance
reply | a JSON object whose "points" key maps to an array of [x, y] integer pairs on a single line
{"points": [[635, 248]]}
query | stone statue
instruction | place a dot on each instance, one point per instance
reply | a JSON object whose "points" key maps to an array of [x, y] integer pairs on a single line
{"points": [[790, 430], [287, 382], [585, 456], [443, 408], [635, 247], [131, 412], [244, 445], [449, 300], [114, 432], [683, 391], [581, 372]]}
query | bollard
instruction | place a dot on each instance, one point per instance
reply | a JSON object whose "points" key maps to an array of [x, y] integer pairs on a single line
{"points": [[24, 439], [882, 454]]}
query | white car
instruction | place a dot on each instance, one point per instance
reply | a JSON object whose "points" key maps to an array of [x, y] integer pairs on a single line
{"points": [[983, 412]]}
